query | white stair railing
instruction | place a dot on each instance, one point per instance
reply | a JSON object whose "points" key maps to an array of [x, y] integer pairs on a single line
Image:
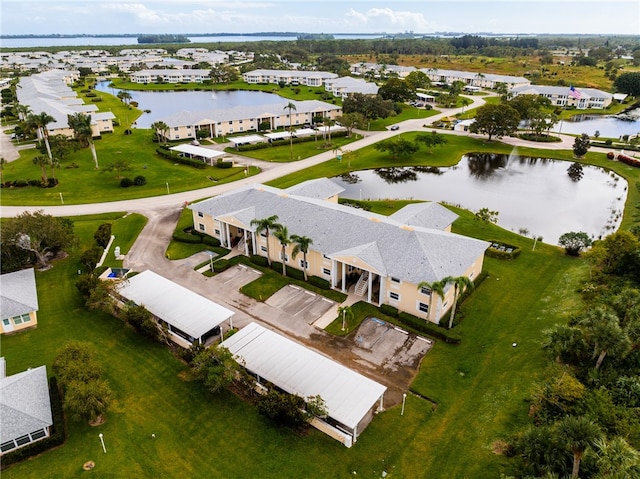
{"points": [[362, 286]]}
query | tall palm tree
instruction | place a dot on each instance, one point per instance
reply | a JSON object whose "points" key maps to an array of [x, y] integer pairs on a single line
{"points": [[40, 122], [345, 312], [81, 126], [302, 244], [460, 283], [282, 234], [160, 128], [578, 433], [616, 456], [291, 107], [266, 224], [124, 96], [328, 122], [42, 161]]}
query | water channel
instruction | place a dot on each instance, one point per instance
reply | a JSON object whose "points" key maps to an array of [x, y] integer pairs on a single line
{"points": [[543, 196]]}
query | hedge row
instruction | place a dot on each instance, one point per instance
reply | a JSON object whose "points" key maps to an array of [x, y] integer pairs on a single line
{"points": [[629, 160], [192, 236], [57, 437], [500, 254]]}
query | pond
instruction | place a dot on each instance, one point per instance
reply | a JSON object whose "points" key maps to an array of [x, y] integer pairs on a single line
{"points": [[165, 103], [546, 197], [608, 126]]}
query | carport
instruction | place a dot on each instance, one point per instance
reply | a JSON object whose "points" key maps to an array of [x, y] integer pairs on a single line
{"points": [[188, 316], [350, 399], [192, 151]]}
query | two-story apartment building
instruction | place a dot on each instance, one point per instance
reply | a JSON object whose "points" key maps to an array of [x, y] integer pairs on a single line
{"points": [[383, 259], [565, 96], [289, 77], [228, 121]]}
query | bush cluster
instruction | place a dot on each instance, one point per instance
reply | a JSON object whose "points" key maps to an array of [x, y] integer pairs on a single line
{"points": [[189, 235], [50, 183], [628, 160], [502, 251], [137, 181]]}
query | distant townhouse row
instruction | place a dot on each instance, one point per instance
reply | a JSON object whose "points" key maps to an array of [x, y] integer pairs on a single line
{"points": [[566, 96], [441, 76], [50, 92], [289, 77], [223, 122], [383, 259], [170, 76]]}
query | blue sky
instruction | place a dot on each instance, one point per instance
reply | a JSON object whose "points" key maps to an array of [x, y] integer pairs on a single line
{"points": [[329, 16]]}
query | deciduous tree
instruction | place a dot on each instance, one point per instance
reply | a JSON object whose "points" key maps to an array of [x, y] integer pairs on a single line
{"points": [[495, 120]]}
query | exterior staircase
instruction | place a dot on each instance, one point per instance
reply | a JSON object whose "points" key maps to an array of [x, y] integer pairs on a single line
{"points": [[240, 245], [362, 286]]}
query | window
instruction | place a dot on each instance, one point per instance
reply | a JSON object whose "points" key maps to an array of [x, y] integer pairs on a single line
{"points": [[285, 257], [471, 275], [7, 446], [326, 271], [22, 440], [17, 320], [263, 248], [217, 232], [200, 214], [200, 226], [393, 295], [425, 290], [6, 322], [175, 128], [26, 318], [304, 264], [38, 434], [395, 280], [422, 307]]}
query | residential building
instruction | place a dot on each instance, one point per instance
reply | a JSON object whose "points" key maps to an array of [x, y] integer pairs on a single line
{"points": [[289, 77], [50, 92], [223, 122], [378, 70], [383, 259], [344, 86], [170, 76], [475, 79], [18, 301], [25, 408], [566, 96]]}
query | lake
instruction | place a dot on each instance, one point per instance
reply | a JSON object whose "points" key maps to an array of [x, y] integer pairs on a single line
{"points": [[608, 126], [538, 194], [166, 103]]}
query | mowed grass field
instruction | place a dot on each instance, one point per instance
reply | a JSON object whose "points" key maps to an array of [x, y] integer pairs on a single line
{"points": [[479, 387]]}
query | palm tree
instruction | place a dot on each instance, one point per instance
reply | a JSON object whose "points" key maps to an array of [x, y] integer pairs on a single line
{"points": [[602, 329], [266, 224], [282, 234], [81, 126], [460, 283], [40, 122], [160, 128], [435, 287], [578, 433], [290, 106], [302, 244], [124, 96], [616, 456], [42, 161], [328, 122]]}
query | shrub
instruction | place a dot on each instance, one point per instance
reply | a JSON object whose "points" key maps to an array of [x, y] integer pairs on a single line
{"points": [[224, 164], [259, 260], [51, 182], [284, 408], [126, 182], [319, 282], [103, 234], [611, 155], [211, 241], [502, 251], [389, 310], [139, 180], [184, 237], [91, 94], [34, 182], [428, 328], [21, 183], [170, 155], [90, 257], [256, 146]]}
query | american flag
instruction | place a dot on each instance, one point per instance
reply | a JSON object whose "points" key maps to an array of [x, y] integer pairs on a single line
{"points": [[573, 93]]}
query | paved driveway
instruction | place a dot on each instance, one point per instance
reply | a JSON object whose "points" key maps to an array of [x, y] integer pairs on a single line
{"points": [[300, 303], [237, 276]]}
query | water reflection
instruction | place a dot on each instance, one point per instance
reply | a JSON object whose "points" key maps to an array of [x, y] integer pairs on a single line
{"points": [[545, 197]]}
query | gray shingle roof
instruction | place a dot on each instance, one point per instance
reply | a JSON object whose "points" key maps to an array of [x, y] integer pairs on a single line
{"points": [[24, 403], [411, 253], [320, 188], [427, 215], [560, 90], [18, 294]]}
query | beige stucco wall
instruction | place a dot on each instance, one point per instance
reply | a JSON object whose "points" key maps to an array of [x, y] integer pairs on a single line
{"points": [[33, 321]]}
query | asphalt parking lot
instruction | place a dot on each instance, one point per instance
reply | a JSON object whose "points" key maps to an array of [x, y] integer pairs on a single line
{"points": [[300, 303]]}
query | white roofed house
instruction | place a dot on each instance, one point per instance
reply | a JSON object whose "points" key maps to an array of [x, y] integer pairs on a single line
{"points": [[18, 301], [382, 259], [345, 86], [187, 316]]}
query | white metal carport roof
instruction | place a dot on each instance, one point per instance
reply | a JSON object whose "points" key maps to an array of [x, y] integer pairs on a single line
{"points": [[197, 151], [241, 140], [348, 395], [175, 304], [278, 135]]}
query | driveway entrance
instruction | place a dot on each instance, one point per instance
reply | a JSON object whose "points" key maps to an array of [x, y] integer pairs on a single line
{"points": [[300, 303]]}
